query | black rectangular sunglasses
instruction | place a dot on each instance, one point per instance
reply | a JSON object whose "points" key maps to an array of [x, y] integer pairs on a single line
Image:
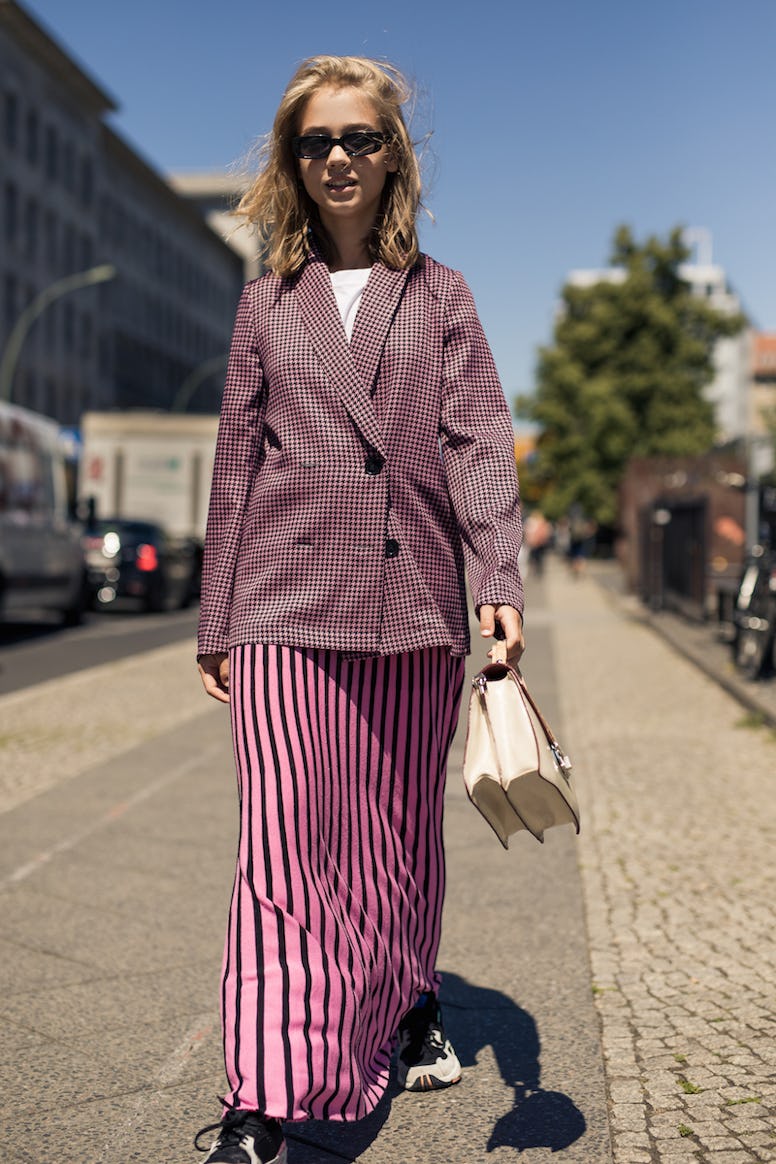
{"points": [[356, 144]]}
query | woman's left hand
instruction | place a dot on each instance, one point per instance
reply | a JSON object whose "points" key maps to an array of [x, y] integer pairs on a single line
{"points": [[511, 624]]}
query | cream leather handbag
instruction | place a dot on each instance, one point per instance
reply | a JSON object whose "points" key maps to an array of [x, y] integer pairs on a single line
{"points": [[514, 769]]}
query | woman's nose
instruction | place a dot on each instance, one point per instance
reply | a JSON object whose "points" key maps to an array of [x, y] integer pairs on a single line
{"points": [[338, 157]]}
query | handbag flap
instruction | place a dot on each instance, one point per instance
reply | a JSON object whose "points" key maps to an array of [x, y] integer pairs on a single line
{"points": [[515, 771]]}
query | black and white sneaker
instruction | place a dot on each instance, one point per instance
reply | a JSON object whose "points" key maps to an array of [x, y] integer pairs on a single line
{"points": [[244, 1137], [427, 1060]]}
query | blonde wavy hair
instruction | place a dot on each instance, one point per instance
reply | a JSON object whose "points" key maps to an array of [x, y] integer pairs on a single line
{"points": [[278, 206]]}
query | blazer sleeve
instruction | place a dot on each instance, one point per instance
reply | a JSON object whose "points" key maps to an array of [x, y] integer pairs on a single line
{"points": [[236, 461], [478, 449]]}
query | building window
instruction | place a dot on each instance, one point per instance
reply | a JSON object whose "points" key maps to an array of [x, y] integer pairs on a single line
{"points": [[71, 405], [33, 137], [10, 212], [105, 354], [52, 153], [85, 347], [9, 305], [105, 218], [51, 239], [31, 388], [68, 166], [68, 326], [50, 320], [120, 226], [69, 258], [87, 182], [11, 120], [31, 221], [87, 252]]}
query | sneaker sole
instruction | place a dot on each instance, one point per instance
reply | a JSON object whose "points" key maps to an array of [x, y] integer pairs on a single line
{"points": [[281, 1158], [426, 1082], [425, 1077]]}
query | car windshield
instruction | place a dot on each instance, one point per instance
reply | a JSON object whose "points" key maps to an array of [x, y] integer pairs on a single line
{"points": [[127, 530]]}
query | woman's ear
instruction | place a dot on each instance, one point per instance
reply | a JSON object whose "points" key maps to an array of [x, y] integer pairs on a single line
{"points": [[391, 162]]}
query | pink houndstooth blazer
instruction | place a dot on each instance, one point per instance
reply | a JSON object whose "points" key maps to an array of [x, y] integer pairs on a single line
{"points": [[356, 484]]}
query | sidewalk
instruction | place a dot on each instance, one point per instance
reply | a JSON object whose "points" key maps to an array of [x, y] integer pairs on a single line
{"points": [[677, 856], [115, 873]]}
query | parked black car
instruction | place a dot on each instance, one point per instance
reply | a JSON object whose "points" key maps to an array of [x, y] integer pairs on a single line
{"points": [[138, 560], [755, 614]]}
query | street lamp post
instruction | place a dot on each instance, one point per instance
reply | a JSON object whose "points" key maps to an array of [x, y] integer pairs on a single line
{"points": [[189, 386], [36, 307]]}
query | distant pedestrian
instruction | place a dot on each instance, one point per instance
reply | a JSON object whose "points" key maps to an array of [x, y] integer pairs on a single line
{"points": [[334, 618], [538, 535], [582, 531]]}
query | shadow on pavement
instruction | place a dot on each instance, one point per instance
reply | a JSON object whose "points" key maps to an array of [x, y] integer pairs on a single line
{"points": [[478, 1017], [320, 1140], [475, 1017]]}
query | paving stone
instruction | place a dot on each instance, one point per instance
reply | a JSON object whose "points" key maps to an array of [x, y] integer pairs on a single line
{"points": [[630, 1111], [731, 1157], [630, 1139]]}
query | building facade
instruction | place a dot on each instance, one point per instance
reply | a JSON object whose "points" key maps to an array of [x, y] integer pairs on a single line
{"points": [[763, 382], [75, 196], [216, 195]]}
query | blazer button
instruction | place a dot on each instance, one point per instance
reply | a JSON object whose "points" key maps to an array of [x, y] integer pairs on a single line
{"points": [[391, 548], [373, 465]]}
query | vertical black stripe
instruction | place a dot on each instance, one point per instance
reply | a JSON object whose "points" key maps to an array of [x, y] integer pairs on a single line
{"points": [[279, 822]]}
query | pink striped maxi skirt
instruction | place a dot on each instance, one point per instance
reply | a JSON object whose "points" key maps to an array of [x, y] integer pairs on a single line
{"points": [[334, 921]]}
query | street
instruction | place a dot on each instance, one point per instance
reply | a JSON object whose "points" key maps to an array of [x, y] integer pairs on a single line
{"points": [[610, 996], [32, 652]]}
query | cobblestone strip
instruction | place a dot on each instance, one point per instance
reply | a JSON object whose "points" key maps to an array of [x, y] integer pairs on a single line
{"points": [[678, 794], [51, 732]]}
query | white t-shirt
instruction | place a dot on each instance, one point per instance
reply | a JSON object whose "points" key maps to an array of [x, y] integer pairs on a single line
{"points": [[348, 289]]}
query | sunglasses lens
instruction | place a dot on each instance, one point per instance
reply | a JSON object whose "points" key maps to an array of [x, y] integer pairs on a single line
{"points": [[356, 145], [312, 145]]}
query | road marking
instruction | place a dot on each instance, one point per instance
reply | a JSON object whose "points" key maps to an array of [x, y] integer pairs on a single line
{"points": [[115, 812]]}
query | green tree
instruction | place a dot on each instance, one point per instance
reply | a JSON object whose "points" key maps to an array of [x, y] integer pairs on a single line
{"points": [[623, 377]]}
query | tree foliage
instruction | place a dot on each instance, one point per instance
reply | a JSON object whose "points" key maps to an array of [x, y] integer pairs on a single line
{"points": [[623, 377]]}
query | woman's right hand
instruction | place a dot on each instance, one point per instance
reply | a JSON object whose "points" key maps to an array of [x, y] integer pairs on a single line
{"points": [[214, 673]]}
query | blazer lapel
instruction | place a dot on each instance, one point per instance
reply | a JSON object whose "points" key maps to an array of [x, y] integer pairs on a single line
{"points": [[379, 304], [318, 308]]}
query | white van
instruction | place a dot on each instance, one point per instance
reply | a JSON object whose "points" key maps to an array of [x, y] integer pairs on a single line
{"points": [[41, 556]]}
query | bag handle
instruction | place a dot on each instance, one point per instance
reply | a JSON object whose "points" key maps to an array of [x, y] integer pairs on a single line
{"points": [[499, 651], [563, 760]]}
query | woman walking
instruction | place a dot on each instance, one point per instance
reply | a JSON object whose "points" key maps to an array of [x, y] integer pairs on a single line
{"points": [[364, 462]]}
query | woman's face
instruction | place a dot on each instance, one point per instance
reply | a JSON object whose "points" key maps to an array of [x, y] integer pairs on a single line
{"points": [[346, 190]]}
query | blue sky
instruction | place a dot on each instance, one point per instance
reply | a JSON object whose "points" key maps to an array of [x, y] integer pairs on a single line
{"points": [[553, 121]]}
